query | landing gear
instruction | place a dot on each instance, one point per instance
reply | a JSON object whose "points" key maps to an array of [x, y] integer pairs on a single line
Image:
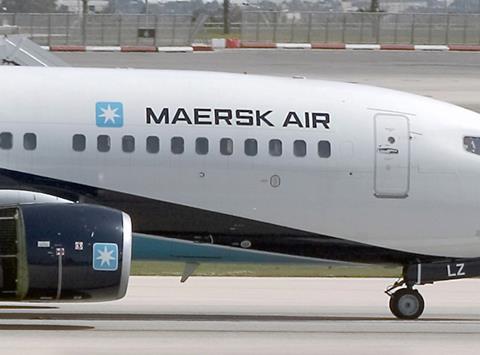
{"points": [[407, 303]]}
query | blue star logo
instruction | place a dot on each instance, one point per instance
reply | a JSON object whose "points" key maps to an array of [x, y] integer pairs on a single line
{"points": [[105, 256], [109, 114]]}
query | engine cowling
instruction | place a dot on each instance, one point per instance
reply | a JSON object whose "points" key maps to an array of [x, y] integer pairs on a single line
{"points": [[64, 252]]}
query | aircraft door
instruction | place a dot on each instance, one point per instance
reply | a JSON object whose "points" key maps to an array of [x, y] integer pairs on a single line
{"points": [[392, 156]]}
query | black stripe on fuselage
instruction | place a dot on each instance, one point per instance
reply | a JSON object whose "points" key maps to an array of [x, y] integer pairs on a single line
{"points": [[172, 220]]}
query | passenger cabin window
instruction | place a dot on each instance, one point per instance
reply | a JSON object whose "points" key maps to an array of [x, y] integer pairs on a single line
{"points": [[177, 145], [29, 141], [201, 146], [324, 149], [79, 142], [128, 144], [103, 143], [6, 140], [275, 147], [226, 146], [299, 148], [153, 144], [472, 144], [251, 147]]}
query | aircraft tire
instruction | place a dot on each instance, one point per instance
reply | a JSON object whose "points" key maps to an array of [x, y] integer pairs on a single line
{"points": [[407, 303]]}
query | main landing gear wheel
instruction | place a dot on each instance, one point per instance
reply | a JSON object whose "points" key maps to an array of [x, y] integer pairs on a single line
{"points": [[407, 303]]}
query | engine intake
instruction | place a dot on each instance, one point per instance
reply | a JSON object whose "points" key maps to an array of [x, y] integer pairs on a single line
{"points": [[64, 252]]}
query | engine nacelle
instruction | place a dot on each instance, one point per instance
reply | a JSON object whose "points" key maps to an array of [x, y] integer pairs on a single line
{"points": [[64, 252]]}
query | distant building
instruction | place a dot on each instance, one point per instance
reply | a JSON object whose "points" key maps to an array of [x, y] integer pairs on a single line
{"points": [[399, 6], [109, 6], [76, 5], [126, 6], [293, 16]]}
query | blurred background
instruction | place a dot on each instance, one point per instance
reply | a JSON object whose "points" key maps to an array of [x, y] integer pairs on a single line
{"points": [[173, 23]]}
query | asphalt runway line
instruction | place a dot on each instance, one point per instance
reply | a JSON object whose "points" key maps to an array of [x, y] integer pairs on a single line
{"points": [[45, 327], [26, 307], [209, 332], [207, 317]]}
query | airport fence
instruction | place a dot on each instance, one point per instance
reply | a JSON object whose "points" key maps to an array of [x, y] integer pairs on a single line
{"points": [[106, 29], [260, 26], [360, 27]]}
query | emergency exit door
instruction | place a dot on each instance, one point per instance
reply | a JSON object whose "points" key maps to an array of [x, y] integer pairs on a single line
{"points": [[392, 156]]}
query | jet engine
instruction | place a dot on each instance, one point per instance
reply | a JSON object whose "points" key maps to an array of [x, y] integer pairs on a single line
{"points": [[64, 252]]}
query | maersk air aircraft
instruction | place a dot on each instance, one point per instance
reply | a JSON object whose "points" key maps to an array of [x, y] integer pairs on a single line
{"points": [[210, 166]]}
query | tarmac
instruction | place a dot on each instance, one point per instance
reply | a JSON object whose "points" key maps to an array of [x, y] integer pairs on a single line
{"points": [[449, 76], [210, 315]]}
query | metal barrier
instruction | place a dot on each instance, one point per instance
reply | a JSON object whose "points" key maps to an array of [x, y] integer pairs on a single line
{"points": [[104, 30], [360, 27], [179, 30]]}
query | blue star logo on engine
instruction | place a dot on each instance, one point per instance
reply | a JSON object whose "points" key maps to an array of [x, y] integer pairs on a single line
{"points": [[105, 256], [109, 114]]}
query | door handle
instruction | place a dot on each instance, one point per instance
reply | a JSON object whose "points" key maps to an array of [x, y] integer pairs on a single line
{"points": [[387, 150]]}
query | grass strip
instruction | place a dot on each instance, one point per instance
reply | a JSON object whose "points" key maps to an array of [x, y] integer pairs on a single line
{"points": [[158, 268]]}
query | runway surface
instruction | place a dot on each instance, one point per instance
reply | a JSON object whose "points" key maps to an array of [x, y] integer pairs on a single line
{"points": [[248, 316], [450, 76]]}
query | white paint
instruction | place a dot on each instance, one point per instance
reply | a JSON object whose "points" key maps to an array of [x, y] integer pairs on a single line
{"points": [[458, 271], [294, 45], [103, 48], [218, 43], [362, 46], [430, 47], [175, 49]]}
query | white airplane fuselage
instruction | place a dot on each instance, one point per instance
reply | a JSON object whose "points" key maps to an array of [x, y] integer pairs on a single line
{"points": [[393, 174]]}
